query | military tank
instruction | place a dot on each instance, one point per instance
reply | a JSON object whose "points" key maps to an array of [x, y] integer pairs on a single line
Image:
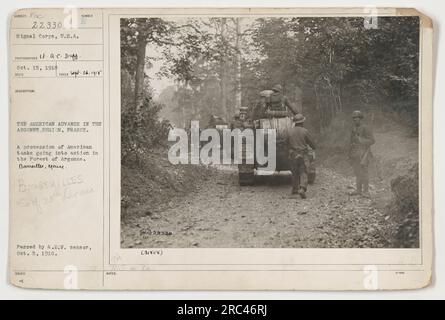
{"points": [[281, 121]]}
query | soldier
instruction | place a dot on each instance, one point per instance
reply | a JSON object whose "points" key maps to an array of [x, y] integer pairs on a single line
{"points": [[241, 120], [243, 114], [236, 123], [362, 139], [299, 141], [279, 102]]}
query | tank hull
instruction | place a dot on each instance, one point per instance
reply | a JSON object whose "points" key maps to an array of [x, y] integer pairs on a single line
{"points": [[281, 125]]}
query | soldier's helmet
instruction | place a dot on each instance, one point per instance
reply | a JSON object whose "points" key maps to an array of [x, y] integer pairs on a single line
{"points": [[299, 118], [357, 114], [277, 88]]}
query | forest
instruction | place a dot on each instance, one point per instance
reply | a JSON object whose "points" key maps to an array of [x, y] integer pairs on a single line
{"points": [[216, 65]]}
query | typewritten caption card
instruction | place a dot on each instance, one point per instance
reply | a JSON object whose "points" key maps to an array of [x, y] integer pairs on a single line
{"points": [[221, 149]]}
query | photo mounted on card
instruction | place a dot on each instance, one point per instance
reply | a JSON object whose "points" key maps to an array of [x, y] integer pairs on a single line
{"points": [[221, 149]]}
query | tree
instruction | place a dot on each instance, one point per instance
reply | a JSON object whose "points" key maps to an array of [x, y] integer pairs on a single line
{"points": [[136, 34], [339, 64], [238, 65]]}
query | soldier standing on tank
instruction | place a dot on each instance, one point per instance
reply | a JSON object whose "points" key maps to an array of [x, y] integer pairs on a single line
{"points": [[278, 101], [299, 142], [360, 154]]}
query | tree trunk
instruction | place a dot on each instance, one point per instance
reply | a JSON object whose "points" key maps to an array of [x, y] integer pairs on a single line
{"points": [[223, 70], [180, 103], [318, 107], [238, 66], [140, 72]]}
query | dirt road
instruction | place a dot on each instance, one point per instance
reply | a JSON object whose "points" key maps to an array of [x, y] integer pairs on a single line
{"points": [[223, 214]]}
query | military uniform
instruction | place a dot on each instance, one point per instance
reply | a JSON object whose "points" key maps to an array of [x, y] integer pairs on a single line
{"points": [[360, 154], [299, 142], [245, 170], [274, 104], [278, 102], [241, 120], [237, 124]]}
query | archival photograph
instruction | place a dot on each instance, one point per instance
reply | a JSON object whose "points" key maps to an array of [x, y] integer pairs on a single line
{"points": [[269, 132]]}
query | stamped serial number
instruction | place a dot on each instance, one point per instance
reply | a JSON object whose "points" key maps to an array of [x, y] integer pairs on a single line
{"points": [[47, 25]]}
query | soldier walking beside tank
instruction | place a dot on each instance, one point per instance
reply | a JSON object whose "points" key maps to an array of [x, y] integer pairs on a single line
{"points": [[299, 141], [360, 154]]}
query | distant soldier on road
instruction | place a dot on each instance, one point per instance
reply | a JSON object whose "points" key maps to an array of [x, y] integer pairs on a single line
{"points": [[360, 154], [299, 141]]}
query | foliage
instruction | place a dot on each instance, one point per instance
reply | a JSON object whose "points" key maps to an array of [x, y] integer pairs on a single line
{"points": [[338, 63], [155, 31], [142, 132], [405, 208]]}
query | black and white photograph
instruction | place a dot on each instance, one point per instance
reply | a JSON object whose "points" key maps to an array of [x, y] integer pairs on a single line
{"points": [[269, 132]]}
